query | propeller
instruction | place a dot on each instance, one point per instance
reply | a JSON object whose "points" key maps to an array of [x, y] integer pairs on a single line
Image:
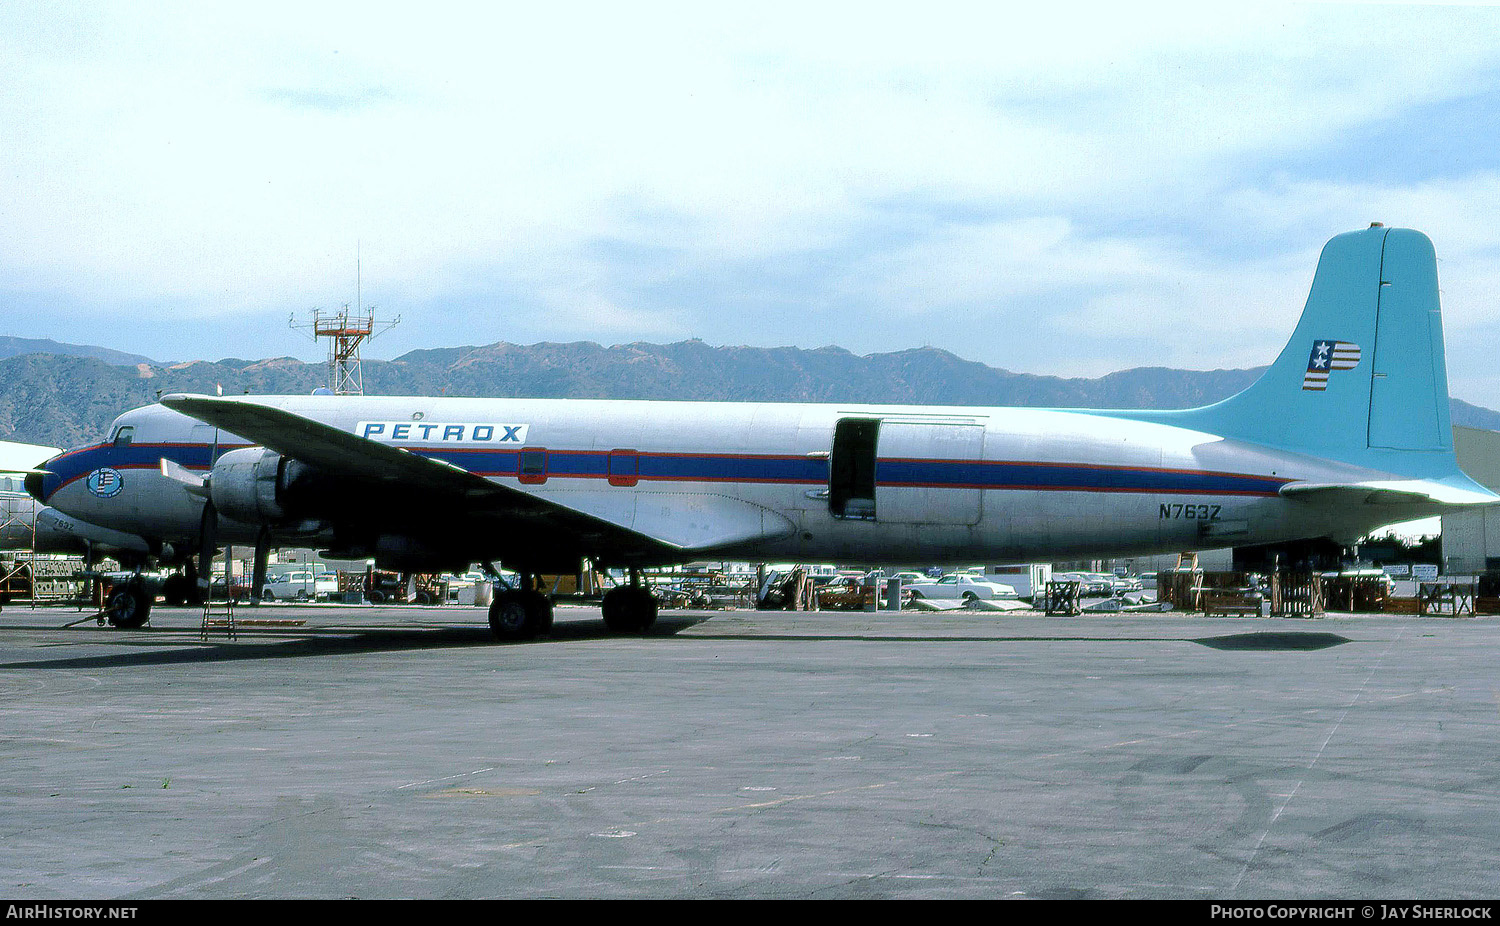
{"points": [[197, 485], [193, 483], [207, 546]]}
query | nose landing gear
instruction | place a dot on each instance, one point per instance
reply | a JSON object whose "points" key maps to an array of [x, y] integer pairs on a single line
{"points": [[129, 605]]}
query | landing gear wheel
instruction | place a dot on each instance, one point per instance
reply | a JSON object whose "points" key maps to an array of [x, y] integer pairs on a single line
{"points": [[539, 606], [629, 609], [175, 590], [520, 615], [129, 606]]}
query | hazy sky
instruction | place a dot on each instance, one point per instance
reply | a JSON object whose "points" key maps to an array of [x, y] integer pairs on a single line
{"points": [[1074, 190]]}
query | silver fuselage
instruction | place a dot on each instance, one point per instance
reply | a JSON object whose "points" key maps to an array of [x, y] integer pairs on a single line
{"points": [[951, 484]]}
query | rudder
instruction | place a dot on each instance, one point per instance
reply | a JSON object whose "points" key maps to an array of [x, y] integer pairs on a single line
{"points": [[1409, 381]]}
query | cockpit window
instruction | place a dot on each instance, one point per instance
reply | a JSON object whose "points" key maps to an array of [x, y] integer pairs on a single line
{"points": [[123, 436]]}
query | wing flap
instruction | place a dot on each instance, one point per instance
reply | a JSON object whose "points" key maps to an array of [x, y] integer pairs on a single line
{"points": [[687, 521]]}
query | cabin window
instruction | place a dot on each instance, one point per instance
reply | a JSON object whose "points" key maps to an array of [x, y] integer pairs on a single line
{"points": [[533, 466], [624, 467], [851, 469], [123, 436]]}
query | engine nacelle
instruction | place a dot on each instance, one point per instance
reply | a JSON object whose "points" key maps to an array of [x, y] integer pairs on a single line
{"points": [[408, 554], [244, 485]]}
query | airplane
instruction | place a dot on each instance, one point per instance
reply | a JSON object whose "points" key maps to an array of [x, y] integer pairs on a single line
{"points": [[17, 508], [1346, 431], [26, 525]]}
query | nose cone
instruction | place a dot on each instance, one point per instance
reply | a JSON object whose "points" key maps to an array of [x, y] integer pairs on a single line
{"points": [[40, 483]]}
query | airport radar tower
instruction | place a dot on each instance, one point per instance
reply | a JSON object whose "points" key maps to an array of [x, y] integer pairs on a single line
{"points": [[345, 330]]}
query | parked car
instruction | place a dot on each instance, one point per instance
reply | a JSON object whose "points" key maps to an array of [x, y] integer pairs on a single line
{"points": [[846, 593], [960, 586], [300, 586], [1089, 583]]}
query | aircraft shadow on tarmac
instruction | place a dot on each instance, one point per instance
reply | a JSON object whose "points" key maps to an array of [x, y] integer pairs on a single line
{"points": [[300, 642], [1274, 641], [185, 647], [1264, 642]]}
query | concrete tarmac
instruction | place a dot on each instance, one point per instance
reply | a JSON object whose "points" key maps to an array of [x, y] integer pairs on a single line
{"points": [[401, 753]]}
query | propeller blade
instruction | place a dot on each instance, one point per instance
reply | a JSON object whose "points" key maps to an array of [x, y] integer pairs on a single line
{"points": [[194, 483]]}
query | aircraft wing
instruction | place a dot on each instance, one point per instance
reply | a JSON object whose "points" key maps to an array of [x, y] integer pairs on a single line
{"points": [[325, 446], [699, 522]]}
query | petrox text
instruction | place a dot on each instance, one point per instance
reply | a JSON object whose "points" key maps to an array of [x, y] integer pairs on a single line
{"points": [[428, 432]]}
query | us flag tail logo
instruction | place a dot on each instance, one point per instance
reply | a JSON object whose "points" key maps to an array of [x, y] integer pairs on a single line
{"points": [[1326, 357]]}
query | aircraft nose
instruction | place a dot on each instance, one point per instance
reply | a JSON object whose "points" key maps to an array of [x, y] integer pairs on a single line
{"points": [[36, 483]]}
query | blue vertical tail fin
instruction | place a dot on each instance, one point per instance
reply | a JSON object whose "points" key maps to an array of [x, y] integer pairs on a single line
{"points": [[1363, 378]]}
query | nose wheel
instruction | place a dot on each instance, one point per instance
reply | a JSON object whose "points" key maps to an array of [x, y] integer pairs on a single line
{"points": [[129, 605]]}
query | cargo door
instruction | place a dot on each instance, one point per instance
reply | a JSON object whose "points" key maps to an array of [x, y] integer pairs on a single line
{"points": [[930, 472], [851, 469]]}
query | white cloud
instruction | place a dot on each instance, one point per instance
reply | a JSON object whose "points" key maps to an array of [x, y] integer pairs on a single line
{"points": [[1057, 164]]}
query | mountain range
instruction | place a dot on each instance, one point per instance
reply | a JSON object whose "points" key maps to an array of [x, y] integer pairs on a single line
{"points": [[12, 347], [67, 397]]}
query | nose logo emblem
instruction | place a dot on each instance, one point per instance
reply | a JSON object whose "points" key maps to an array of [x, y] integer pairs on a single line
{"points": [[104, 482]]}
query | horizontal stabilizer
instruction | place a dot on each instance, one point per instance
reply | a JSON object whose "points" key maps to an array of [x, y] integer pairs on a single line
{"points": [[1442, 493]]}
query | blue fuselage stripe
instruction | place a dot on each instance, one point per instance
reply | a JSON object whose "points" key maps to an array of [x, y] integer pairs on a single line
{"points": [[742, 468]]}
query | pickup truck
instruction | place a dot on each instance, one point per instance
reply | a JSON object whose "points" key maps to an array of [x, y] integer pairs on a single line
{"points": [[299, 586], [960, 586]]}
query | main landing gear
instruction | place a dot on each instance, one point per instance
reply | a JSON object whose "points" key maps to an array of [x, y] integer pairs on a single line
{"points": [[181, 588], [519, 613], [630, 608]]}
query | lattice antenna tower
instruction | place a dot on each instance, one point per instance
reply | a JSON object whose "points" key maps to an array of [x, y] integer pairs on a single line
{"points": [[345, 330]]}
